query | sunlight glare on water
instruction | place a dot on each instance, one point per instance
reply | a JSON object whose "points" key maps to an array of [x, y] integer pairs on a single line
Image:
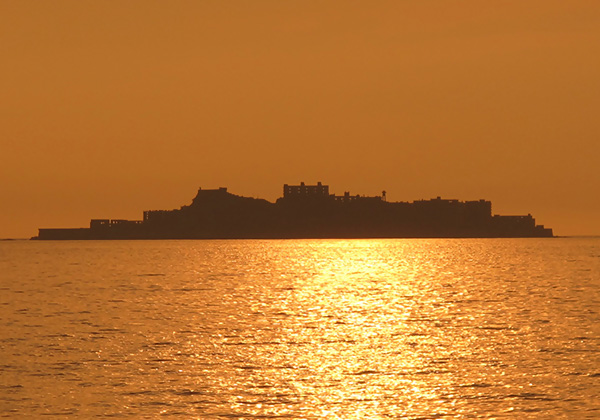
{"points": [[301, 328]]}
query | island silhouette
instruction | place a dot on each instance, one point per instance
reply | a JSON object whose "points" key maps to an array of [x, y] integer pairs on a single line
{"points": [[309, 211]]}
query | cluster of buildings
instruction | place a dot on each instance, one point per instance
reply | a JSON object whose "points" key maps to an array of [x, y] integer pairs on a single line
{"points": [[310, 211]]}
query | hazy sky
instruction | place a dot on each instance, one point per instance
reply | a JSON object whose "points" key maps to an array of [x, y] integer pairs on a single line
{"points": [[110, 108]]}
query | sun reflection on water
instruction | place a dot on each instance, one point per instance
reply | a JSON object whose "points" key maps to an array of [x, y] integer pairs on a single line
{"points": [[305, 329], [357, 335]]}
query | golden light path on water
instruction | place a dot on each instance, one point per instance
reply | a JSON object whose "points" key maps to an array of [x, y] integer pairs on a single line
{"points": [[368, 338], [303, 329]]}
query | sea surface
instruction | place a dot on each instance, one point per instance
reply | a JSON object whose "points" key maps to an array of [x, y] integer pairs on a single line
{"points": [[301, 329]]}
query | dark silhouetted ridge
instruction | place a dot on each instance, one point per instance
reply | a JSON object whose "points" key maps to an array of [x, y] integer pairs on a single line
{"points": [[310, 211]]}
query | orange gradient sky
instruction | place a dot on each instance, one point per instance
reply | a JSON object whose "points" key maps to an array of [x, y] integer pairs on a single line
{"points": [[111, 108]]}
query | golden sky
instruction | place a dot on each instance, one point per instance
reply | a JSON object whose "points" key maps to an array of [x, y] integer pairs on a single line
{"points": [[110, 108]]}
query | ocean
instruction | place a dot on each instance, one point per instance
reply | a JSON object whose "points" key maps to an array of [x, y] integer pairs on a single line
{"points": [[301, 329]]}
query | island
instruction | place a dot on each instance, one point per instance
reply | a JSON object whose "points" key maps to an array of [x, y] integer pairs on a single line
{"points": [[309, 211]]}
